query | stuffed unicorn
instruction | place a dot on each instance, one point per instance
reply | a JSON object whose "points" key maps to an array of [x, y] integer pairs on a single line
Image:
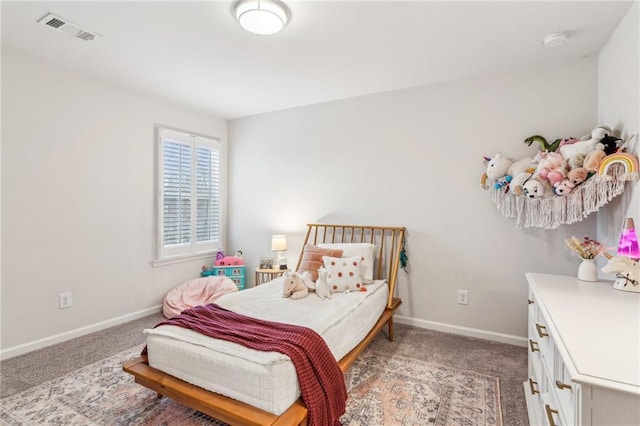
{"points": [[293, 286], [297, 285], [322, 288], [627, 273]]}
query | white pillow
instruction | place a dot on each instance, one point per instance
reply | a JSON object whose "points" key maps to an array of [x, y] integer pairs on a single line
{"points": [[365, 250], [343, 273]]}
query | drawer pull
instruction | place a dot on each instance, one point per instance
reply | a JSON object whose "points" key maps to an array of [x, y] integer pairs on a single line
{"points": [[550, 412], [531, 383], [530, 301], [542, 330], [561, 385], [531, 343]]}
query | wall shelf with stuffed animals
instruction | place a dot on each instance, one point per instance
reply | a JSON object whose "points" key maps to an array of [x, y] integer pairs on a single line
{"points": [[564, 182]]}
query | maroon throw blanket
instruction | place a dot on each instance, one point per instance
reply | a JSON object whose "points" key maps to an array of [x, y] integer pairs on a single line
{"points": [[321, 380]]}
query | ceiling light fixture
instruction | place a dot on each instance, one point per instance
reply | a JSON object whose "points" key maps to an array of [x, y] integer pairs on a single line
{"points": [[555, 39], [261, 16]]}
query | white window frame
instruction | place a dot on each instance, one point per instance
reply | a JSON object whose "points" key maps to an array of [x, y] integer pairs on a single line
{"points": [[192, 249]]}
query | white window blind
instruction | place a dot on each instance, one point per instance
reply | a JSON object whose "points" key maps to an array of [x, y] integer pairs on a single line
{"points": [[190, 206]]}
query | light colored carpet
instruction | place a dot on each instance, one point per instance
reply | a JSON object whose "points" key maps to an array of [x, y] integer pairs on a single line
{"points": [[451, 352], [31, 369]]}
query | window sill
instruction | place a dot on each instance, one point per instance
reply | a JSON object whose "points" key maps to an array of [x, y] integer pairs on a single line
{"points": [[181, 259]]}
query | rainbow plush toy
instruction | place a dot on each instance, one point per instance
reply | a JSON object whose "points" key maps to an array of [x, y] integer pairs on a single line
{"points": [[629, 162]]}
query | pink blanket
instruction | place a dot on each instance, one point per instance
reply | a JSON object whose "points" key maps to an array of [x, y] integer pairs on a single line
{"points": [[196, 292], [321, 380]]}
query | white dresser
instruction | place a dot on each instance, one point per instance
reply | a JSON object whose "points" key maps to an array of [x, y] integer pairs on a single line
{"points": [[584, 353]]}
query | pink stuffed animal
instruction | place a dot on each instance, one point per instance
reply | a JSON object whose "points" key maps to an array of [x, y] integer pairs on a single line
{"points": [[552, 167], [230, 261], [564, 187]]}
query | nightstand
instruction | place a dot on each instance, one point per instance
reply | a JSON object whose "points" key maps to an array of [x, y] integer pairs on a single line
{"points": [[266, 275]]}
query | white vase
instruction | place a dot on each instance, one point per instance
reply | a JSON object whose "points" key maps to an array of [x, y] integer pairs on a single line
{"points": [[587, 271]]}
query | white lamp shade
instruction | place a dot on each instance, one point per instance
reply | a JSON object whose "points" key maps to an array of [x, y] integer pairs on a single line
{"points": [[278, 243], [261, 16]]}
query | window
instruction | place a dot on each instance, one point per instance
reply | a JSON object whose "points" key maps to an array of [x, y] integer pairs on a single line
{"points": [[189, 205]]}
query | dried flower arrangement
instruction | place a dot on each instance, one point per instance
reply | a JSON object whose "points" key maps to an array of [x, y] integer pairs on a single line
{"points": [[586, 249]]}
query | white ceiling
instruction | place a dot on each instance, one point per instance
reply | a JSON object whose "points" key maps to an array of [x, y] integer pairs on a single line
{"points": [[196, 54]]}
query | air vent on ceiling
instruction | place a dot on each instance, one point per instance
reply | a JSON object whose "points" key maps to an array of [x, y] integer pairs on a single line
{"points": [[69, 28]]}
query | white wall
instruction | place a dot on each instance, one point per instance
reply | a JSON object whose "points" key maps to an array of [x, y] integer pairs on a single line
{"points": [[619, 107], [413, 158], [78, 208], [79, 216]]}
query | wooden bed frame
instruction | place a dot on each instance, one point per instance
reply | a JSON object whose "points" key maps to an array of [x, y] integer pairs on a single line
{"points": [[388, 241]]}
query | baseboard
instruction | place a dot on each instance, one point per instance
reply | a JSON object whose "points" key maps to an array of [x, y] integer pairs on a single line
{"points": [[431, 325], [78, 332], [464, 331]]}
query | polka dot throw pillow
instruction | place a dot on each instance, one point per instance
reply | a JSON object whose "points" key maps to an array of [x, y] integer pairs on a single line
{"points": [[343, 273]]}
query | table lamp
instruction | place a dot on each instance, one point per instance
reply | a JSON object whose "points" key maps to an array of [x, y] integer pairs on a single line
{"points": [[627, 272], [279, 245], [628, 245]]}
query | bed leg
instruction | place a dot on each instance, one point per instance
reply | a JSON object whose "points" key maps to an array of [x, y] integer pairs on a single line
{"points": [[159, 395], [390, 324]]}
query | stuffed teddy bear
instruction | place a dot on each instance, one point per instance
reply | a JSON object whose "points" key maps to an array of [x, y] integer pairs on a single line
{"points": [[552, 166], [586, 144], [294, 286], [577, 176], [563, 188], [593, 159], [322, 288], [536, 187], [576, 161], [500, 166]]}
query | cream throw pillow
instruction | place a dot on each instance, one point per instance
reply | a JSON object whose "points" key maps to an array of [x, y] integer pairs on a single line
{"points": [[366, 250], [343, 273]]}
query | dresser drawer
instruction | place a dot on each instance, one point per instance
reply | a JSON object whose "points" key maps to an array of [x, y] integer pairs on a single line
{"points": [[545, 342], [551, 408], [533, 306], [565, 389], [535, 383], [534, 343], [550, 412]]}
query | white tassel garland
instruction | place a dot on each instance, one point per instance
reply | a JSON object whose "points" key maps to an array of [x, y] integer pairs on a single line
{"points": [[551, 212]]}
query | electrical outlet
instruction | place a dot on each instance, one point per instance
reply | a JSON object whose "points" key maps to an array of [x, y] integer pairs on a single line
{"points": [[65, 300], [463, 297]]}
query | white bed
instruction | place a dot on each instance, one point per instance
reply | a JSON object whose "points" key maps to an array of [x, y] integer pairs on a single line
{"points": [[266, 380], [241, 386]]}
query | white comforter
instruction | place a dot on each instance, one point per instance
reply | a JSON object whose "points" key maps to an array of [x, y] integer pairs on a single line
{"points": [[266, 302], [266, 380]]}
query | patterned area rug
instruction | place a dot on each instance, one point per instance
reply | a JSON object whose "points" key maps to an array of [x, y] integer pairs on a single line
{"points": [[382, 391], [406, 391]]}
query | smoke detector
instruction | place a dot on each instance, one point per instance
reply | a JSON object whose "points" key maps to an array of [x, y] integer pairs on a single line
{"points": [[555, 39], [64, 26]]}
